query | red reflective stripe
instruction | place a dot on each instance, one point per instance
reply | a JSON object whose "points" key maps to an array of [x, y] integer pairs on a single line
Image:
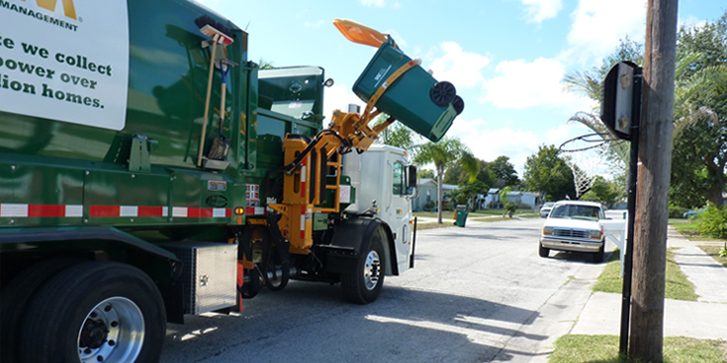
{"points": [[199, 212], [250, 211], [104, 210], [228, 212], [149, 211], [46, 210]]}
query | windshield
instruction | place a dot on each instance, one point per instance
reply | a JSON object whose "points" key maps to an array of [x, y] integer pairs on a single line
{"points": [[570, 211]]}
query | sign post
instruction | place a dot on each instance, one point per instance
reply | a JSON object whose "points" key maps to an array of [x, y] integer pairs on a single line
{"points": [[621, 113]]}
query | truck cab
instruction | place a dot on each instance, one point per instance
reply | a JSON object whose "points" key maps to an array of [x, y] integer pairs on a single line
{"points": [[385, 181]]}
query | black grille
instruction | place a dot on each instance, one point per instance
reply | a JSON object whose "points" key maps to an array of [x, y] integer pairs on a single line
{"points": [[570, 233]]}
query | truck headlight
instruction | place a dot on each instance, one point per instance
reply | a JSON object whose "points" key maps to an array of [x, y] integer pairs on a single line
{"points": [[547, 231], [596, 234]]}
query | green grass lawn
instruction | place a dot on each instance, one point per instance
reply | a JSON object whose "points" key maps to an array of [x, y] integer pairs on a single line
{"points": [[713, 251], [604, 349], [677, 285], [689, 229]]}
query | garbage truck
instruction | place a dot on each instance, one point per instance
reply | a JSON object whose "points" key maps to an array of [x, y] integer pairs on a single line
{"points": [[149, 170]]}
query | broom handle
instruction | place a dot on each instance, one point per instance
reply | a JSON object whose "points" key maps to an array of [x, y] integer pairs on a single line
{"points": [[222, 104], [207, 102]]}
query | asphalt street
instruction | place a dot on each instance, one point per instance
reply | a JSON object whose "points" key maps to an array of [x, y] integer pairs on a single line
{"points": [[477, 294]]}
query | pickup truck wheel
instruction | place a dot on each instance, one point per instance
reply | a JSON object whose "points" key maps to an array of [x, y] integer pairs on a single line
{"points": [[15, 298], [363, 283], [542, 251], [95, 312]]}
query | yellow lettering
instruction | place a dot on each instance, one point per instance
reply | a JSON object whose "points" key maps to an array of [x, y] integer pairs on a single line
{"points": [[69, 9]]}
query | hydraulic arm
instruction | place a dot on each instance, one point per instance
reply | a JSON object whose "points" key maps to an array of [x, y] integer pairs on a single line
{"points": [[313, 167]]}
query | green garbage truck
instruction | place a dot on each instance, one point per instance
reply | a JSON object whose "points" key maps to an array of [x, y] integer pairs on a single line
{"points": [[149, 170]]}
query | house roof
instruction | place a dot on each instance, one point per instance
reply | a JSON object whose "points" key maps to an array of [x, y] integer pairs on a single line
{"points": [[430, 181]]}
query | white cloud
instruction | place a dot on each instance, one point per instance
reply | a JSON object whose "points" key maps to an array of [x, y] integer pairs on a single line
{"points": [[338, 97], [541, 10], [691, 22], [520, 84], [374, 3], [464, 69], [598, 25]]}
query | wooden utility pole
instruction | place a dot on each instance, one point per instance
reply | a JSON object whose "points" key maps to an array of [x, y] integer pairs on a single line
{"points": [[655, 150]]}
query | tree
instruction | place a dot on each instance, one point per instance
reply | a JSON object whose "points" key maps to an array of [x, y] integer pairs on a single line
{"points": [[504, 172], [590, 83], [546, 172], [459, 176], [425, 173], [604, 191], [397, 135], [508, 207], [700, 115], [467, 193], [444, 154]]}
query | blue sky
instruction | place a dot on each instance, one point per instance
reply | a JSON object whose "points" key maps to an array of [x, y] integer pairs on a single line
{"points": [[507, 58]]}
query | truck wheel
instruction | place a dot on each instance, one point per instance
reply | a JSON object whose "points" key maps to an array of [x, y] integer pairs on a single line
{"points": [[365, 279], [95, 312], [15, 298], [542, 251]]}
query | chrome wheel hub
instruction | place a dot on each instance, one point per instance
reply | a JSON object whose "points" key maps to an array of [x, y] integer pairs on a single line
{"points": [[113, 331], [372, 270]]}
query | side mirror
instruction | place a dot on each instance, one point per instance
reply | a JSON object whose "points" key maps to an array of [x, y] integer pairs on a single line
{"points": [[412, 177]]}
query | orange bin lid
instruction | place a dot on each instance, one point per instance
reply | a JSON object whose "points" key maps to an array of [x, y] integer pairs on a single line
{"points": [[360, 34]]}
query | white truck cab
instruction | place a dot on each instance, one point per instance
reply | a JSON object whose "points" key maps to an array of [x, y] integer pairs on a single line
{"points": [[384, 180]]}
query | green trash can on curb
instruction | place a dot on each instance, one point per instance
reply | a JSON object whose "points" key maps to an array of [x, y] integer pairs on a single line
{"points": [[461, 214], [415, 99]]}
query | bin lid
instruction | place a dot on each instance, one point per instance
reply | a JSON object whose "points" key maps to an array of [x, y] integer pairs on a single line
{"points": [[360, 34]]}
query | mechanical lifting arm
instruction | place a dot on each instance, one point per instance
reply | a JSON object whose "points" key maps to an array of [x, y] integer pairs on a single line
{"points": [[313, 167]]}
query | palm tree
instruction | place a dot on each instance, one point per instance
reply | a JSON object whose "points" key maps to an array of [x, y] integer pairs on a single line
{"points": [[443, 154]]}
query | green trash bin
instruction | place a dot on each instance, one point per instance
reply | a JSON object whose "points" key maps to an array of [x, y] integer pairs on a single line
{"points": [[415, 99], [461, 214]]}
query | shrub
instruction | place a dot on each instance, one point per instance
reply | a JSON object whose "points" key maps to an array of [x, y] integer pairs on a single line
{"points": [[713, 222], [676, 211]]}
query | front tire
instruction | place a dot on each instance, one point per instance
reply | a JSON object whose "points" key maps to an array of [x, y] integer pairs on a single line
{"points": [[542, 251], [363, 283], [95, 312]]}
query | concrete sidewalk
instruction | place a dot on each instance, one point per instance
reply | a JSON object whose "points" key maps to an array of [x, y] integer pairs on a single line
{"points": [[602, 314], [708, 276], [704, 319]]}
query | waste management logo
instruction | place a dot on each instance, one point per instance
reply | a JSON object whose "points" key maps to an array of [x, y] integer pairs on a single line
{"points": [[78, 73], [46, 11]]}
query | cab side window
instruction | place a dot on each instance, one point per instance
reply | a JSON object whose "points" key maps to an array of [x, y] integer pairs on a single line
{"points": [[398, 179]]}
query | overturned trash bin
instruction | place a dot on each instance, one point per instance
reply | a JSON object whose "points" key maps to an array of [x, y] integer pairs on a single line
{"points": [[461, 214], [400, 87]]}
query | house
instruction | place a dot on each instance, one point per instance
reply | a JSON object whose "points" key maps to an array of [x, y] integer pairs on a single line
{"points": [[522, 199], [426, 197]]}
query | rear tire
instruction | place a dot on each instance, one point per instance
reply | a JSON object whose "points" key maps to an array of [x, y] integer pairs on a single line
{"points": [[17, 295], [542, 251], [95, 311], [363, 283]]}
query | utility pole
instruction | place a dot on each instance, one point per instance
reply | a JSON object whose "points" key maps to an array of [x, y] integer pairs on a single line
{"points": [[655, 150]]}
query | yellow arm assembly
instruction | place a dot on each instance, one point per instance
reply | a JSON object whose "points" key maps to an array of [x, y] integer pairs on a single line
{"points": [[309, 163]]}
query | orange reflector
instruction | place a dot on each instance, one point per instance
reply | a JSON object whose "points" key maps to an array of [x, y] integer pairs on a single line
{"points": [[360, 34], [239, 211]]}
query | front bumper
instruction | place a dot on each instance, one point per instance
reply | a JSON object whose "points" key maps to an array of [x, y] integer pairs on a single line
{"points": [[571, 244]]}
